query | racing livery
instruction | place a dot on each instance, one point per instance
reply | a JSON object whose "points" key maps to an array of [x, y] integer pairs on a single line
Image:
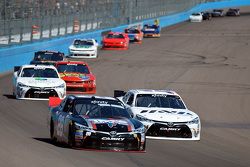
{"points": [[135, 34], [115, 41], [47, 57], [151, 30], [83, 48], [78, 77], [94, 122], [163, 113], [37, 82]]}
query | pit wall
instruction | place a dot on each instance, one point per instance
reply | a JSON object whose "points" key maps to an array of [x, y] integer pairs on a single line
{"points": [[22, 54]]}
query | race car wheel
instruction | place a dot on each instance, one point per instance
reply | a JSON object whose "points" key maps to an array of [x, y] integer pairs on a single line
{"points": [[52, 130], [143, 147], [71, 136]]}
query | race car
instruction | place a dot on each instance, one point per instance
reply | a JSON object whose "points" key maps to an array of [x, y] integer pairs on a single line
{"points": [[217, 13], [163, 113], [47, 57], [233, 12], [83, 48], [135, 34], [78, 77], [151, 30], [95, 122], [206, 15], [37, 82], [115, 41], [196, 17]]}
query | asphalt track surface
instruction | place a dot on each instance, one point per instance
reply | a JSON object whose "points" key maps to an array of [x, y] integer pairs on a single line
{"points": [[207, 63]]}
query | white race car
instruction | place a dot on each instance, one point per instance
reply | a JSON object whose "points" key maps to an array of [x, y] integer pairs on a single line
{"points": [[196, 17], [163, 113], [83, 48], [37, 82]]}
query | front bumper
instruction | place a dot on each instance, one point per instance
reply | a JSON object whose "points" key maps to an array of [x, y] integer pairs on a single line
{"points": [[36, 93], [82, 54], [114, 46], [104, 141], [176, 131], [80, 88]]}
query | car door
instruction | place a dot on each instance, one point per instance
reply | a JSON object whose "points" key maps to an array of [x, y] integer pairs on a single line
{"points": [[63, 116]]}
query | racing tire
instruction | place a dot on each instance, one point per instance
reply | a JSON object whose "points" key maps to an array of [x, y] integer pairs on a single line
{"points": [[52, 132], [71, 136]]}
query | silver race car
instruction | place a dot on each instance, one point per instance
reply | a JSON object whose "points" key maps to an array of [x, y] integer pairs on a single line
{"points": [[163, 113]]}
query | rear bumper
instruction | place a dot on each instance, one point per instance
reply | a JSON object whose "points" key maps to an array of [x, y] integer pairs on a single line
{"points": [[116, 46]]}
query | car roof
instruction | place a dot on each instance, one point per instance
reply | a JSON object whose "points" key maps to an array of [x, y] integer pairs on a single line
{"points": [[48, 51], [153, 91], [116, 33], [85, 39], [93, 97]]}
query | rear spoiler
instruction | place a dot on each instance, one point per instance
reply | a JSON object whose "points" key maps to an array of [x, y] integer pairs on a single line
{"points": [[119, 93], [54, 101], [17, 68]]}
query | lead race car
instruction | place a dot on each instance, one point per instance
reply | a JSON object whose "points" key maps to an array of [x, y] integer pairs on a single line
{"points": [[95, 122], [151, 31], [37, 82], [163, 113]]}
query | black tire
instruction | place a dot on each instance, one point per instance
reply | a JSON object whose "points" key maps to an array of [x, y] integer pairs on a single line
{"points": [[71, 136], [52, 130]]}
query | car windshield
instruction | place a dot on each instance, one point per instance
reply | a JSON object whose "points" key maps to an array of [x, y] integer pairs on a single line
{"points": [[83, 43], [159, 100], [48, 56], [196, 14], [100, 108], [39, 72], [77, 68], [132, 31], [115, 36]]}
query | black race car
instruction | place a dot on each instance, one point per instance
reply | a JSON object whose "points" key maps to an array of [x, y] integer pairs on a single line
{"points": [[217, 13], [95, 122], [47, 57], [206, 16], [233, 12]]}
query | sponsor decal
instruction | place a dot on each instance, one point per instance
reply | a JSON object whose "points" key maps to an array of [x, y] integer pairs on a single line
{"points": [[113, 138], [170, 129], [41, 92], [40, 79], [111, 124], [99, 102]]}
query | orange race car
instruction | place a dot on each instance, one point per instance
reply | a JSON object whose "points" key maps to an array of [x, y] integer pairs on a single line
{"points": [[78, 77], [115, 41], [135, 34]]}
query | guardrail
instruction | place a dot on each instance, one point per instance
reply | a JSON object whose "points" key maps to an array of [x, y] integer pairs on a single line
{"points": [[18, 55]]}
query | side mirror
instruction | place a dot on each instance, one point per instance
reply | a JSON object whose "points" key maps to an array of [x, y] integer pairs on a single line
{"points": [[17, 68]]}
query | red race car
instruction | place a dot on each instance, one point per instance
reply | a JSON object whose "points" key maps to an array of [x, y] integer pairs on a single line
{"points": [[115, 41], [78, 77], [135, 34]]}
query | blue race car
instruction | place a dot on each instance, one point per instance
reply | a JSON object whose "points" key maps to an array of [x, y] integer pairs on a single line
{"points": [[135, 34], [95, 122], [151, 30]]}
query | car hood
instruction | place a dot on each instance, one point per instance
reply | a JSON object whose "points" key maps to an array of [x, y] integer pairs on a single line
{"points": [[82, 47], [113, 124], [76, 76], [40, 82], [114, 40], [165, 114]]}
